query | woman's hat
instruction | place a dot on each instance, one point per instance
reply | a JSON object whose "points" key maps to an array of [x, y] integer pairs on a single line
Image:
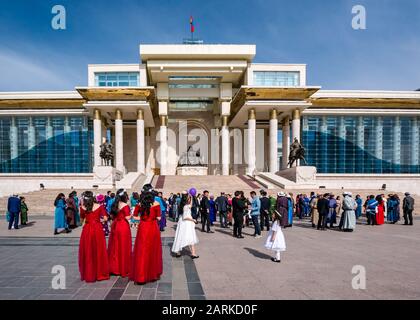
{"points": [[100, 198], [281, 194]]}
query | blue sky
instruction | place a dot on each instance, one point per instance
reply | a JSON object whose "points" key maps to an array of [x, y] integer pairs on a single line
{"points": [[386, 56]]}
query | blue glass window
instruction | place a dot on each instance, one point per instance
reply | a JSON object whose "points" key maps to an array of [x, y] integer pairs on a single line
{"points": [[117, 79], [45, 144], [343, 144], [277, 78]]}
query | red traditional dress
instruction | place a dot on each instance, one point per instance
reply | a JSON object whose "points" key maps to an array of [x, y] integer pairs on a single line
{"points": [[147, 254], [93, 258], [119, 246], [380, 217]]}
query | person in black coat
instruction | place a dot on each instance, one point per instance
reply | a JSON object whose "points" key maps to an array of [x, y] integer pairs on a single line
{"points": [[222, 208], [13, 206], [264, 211], [205, 212], [323, 208], [238, 208]]}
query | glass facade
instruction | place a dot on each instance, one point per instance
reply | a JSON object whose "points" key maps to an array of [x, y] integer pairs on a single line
{"points": [[277, 78], [39, 144], [362, 144], [117, 79]]}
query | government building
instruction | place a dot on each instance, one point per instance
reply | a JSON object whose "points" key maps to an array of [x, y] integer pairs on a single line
{"points": [[236, 116]]}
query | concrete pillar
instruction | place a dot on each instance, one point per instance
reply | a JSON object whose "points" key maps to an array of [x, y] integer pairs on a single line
{"points": [[285, 142], [415, 142], [148, 150], [379, 138], [360, 133], [274, 127], [225, 146], [97, 137], [48, 129], [31, 134], [342, 145], [119, 147], [140, 142], [296, 125], [252, 126], [163, 144], [296, 129], [13, 139], [396, 151]]}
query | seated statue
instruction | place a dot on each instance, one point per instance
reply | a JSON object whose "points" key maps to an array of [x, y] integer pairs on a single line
{"points": [[190, 158]]}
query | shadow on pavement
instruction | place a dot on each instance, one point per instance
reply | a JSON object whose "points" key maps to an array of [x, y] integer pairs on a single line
{"points": [[258, 254]]}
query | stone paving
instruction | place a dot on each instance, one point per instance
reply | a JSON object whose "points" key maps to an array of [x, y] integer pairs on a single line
{"points": [[26, 264], [316, 265]]}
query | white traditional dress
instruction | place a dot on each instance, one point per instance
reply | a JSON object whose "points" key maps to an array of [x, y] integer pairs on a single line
{"points": [[185, 234], [279, 244]]}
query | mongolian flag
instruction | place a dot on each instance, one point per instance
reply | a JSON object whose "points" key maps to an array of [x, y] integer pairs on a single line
{"points": [[192, 24]]}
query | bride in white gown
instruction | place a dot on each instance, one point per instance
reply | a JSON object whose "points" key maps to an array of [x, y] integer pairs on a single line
{"points": [[185, 234]]}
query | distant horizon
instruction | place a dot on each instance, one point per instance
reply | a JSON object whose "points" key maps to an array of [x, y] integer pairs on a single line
{"points": [[35, 57]]}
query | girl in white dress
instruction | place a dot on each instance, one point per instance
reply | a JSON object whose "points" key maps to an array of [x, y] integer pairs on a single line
{"points": [[185, 234], [275, 240]]}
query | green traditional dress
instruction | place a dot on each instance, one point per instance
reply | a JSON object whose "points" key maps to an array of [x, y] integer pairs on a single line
{"points": [[23, 213]]}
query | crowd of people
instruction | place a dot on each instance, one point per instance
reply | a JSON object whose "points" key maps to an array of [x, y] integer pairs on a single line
{"points": [[115, 214]]}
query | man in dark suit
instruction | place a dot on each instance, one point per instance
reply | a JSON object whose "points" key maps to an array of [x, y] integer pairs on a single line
{"points": [[222, 208], [408, 208], [238, 207], [264, 211], [323, 209], [13, 206], [205, 212]]}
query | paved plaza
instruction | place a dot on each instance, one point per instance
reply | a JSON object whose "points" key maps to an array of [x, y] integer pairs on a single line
{"points": [[316, 265]]}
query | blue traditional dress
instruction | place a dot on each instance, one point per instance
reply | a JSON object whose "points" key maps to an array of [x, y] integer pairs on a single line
{"points": [[359, 202], [76, 213], [162, 222], [290, 211], [212, 211], [393, 214], [60, 216]]}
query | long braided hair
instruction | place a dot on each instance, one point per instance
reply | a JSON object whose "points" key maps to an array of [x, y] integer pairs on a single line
{"points": [[88, 200], [147, 198], [121, 196]]}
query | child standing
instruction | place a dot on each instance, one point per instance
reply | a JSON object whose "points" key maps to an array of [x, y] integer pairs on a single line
{"points": [[275, 240]]}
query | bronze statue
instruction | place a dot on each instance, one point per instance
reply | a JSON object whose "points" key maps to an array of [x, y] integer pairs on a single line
{"points": [[107, 153], [297, 152]]}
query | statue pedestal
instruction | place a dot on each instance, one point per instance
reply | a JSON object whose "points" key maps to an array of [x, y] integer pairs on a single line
{"points": [[192, 171], [300, 175], [105, 176]]}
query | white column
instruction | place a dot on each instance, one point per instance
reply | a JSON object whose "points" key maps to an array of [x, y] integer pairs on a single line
{"points": [[285, 142], [31, 134], [296, 129], [13, 139], [379, 138], [274, 127], [163, 144], [296, 125], [360, 133], [225, 146], [252, 126], [415, 142], [148, 150], [119, 147], [140, 142], [48, 129], [97, 137], [396, 158]]}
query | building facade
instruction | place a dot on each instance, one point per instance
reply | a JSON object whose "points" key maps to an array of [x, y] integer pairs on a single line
{"points": [[241, 116]]}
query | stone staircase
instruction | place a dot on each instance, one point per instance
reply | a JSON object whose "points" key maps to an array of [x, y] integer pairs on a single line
{"points": [[214, 184], [41, 202]]}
